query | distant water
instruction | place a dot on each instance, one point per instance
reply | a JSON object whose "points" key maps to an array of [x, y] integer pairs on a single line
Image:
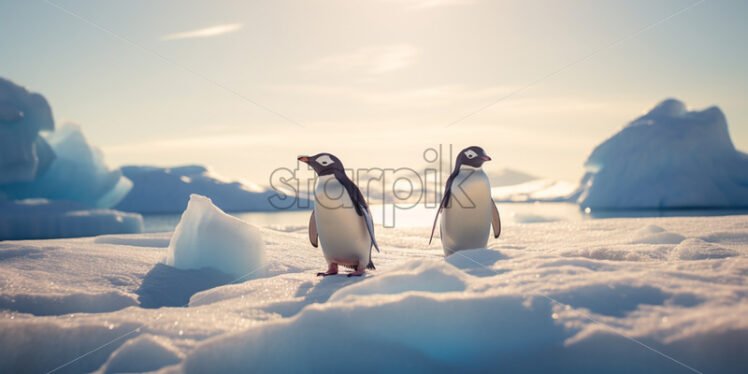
{"points": [[420, 216]]}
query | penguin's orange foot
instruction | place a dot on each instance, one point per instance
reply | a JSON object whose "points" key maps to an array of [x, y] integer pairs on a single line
{"points": [[360, 270], [332, 269]]}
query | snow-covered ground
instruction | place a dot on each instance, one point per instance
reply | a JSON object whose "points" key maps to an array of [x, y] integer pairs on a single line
{"points": [[615, 295]]}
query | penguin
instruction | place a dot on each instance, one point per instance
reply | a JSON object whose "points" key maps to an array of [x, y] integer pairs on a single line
{"points": [[467, 209], [341, 220]]}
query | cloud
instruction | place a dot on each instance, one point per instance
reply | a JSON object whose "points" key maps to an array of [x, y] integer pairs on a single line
{"points": [[416, 97], [371, 60], [187, 143], [205, 32], [461, 99]]}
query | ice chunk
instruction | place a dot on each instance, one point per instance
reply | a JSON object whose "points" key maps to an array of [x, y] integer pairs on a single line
{"points": [[23, 154], [42, 219], [208, 237], [78, 174], [668, 158]]}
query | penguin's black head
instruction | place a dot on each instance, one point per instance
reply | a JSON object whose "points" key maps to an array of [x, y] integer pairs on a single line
{"points": [[472, 156], [323, 163]]}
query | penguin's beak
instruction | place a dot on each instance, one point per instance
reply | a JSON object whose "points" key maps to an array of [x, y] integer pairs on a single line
{"points": [[303, 159], [485, 158]]}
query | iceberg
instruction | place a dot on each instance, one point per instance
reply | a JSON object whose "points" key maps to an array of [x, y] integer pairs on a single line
{"points": [[78, 174], [670, 157], [206, 237], [167, 190], [24, 155], [42, 219], [49, 181]]}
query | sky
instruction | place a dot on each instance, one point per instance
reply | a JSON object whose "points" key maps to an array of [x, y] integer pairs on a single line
{"points": [[246, 87]]}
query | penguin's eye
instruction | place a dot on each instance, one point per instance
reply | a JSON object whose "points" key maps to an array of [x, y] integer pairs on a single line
{"points": [[325, 160], [471, 154]]}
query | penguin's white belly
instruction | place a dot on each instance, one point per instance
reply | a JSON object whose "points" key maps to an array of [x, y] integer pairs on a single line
{"points": [[343, 235], [466, 223]]}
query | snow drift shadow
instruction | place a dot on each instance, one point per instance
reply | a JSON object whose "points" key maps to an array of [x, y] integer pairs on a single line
{"points": [[141, 354], [317, 293], [165, 285], [478, 262], [55, 305], [21, 252], [708, 352], [618, 299], [38, 347]]}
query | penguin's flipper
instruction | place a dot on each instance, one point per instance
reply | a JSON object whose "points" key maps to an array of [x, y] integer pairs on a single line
{"points": [[359, 203], [313, 236], [370, 227], [357, 198], [445, 198], [441, 206], [495, 220]]}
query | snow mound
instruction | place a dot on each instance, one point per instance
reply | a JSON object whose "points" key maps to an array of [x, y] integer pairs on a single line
{"points": [[612, 299], [37, 346], [414, 277], [697, 249], [653, 234], [142, 354], [167, 190], [208, 237], [668, 158], [410, 330], [477, 262], [24, 155], [41, 219]]}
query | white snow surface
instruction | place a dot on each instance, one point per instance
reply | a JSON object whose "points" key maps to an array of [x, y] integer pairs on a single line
{"points": [[668, 158], [666, 295], [207, 237]]}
